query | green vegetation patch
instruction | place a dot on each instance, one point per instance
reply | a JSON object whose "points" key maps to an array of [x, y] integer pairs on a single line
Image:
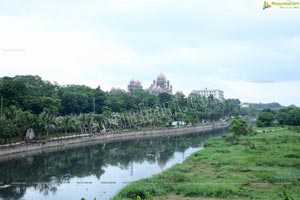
{"points": [[261, 166]]}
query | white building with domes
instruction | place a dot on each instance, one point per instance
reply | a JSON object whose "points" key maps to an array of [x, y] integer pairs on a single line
{"points": [[160, 85]]}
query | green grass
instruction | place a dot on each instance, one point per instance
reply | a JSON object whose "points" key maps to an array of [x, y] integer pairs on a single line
{"points": [[262, 166]]}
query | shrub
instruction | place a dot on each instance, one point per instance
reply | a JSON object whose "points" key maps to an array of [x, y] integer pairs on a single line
{"points": [[238, 126], [205, 190]]}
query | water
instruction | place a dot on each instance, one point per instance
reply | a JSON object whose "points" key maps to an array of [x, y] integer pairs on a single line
{"points": [[97, 171]]}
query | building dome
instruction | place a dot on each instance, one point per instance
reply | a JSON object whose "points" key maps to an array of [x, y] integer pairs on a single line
{"points": [[161, 77], [113, 89], [179, 92]]}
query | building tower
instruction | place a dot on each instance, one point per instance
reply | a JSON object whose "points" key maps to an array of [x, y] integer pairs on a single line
{"points": [[160, 85], [134, 85]]}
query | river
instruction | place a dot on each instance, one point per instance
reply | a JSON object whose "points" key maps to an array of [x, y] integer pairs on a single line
{"points": [[98, 171]]}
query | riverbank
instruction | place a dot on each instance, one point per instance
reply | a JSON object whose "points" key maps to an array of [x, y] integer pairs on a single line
{"points": [[26, 149], [261, 166]]}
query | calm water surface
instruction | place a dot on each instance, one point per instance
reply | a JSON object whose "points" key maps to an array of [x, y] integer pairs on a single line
{"points": [[97, 171]]}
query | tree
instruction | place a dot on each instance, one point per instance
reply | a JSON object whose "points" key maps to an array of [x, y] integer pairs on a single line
{"points": [[99, 98], [294, 117], [46, 121], [4, 129], [164, 98], [282, 116], [232, 107], [118, 100], [13, 91], [265, 118], [65, 123], [142, 98], [76, 99], [238, 126]]}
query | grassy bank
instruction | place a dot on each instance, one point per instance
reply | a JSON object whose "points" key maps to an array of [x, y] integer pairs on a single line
{"points": [[261, 166]]}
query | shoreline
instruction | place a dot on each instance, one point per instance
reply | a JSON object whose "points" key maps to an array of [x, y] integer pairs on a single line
{"points": [[29, 149]]}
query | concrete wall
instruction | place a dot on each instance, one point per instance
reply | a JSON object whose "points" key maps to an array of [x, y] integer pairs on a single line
{"points": [[23, 149]]}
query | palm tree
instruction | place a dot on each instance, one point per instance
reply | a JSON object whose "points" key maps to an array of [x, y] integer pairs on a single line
{"points": [[47, 121]]}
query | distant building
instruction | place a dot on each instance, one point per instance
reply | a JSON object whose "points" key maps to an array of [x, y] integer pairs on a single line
{"points": [[179, 93], [160, 85], [217, 94], [244, 105], [134, 85], [115, 89]]}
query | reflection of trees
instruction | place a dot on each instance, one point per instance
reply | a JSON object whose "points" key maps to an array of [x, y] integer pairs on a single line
{"points": [[47, 171], [13, 193]]}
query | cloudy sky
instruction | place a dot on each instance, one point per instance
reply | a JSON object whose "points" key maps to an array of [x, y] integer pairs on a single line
{"points": [[234, 45]]}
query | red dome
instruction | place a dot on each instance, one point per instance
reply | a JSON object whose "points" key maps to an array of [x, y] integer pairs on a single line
{"points": [[161, 77]]}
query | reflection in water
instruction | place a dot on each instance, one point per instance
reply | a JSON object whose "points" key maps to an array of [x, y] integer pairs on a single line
{"points": [[94, 171]]}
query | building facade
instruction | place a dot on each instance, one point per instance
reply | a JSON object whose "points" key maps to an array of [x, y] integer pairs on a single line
{"points": [[217, 94], [160, 85], [134, 85]]}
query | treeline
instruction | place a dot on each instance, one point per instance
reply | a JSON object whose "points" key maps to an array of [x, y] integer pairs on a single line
{"points": [[31, 93], [253, 109], [50, 108], [284, 116]]}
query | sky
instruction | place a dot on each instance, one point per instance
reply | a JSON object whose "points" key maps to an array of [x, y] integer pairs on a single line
{"points": [[233, 45]]}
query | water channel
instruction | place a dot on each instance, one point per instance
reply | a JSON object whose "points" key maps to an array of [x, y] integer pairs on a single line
{"points": [[98, 171]]}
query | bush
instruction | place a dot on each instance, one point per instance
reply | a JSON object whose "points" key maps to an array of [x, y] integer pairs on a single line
{"points": [[143, 190], [205, 190], [265, 118], [294, 128], [239, 127]]}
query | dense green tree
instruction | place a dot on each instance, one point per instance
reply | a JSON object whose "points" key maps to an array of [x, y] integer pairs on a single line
{"points": [[99, 100], [13, 92], [78, 99], [294, 117], [232, 107], [265, 118], [164, 98], [282, 116], [30, 102], [4, 129], [141, 99], [118, 100], [238, 126], [29, 93]]}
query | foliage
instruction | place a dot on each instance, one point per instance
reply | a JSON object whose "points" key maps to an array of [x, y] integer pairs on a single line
{"points": [[118, 100], [239, 127], [265, 118], [284, 116], [258, 166], [294, 117], [253, 109], [30, 102], [285, 196]]}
